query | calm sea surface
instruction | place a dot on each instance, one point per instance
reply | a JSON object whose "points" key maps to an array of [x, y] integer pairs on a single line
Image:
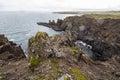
{"points": [[20, 26]]}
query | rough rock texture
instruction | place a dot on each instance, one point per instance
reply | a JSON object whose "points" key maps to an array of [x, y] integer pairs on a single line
{"points": [[9, 50], [103, 37], [14, 69], [58, 56], [88, 49], [63, 57], [97, 33], [46, 47], [12, 60]]}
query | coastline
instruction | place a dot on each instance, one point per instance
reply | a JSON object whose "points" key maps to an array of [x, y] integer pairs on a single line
{"points": [[86, 49], [88, 12]]}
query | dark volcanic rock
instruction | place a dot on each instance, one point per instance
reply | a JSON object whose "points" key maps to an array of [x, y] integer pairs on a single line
{"points": [[9, 50]]}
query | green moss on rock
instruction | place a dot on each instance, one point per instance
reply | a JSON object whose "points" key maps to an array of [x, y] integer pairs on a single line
{"points": [[44, 79], [37, 44], [34, 62], [55, 67], [76, 52], [67, 78], [78, 74], [54, 62], [1, 75], [41, 35]]}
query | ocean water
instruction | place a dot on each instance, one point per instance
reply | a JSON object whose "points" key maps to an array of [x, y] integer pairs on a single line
{"points": [[20, 26]]}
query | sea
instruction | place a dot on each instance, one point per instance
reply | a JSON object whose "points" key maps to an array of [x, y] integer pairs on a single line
{"points": [[20, 26]]}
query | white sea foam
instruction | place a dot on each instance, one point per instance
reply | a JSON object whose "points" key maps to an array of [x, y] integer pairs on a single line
{"points": [[28, 34], [86, 48], [12, 39]]}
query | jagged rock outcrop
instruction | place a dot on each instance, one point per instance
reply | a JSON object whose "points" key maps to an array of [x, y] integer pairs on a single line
{"points": [[39, 45], [9, 50], [96, 33], [12, 59], [87, 42], [65, 54], [46, 47], [86, 50], [55, 51]]}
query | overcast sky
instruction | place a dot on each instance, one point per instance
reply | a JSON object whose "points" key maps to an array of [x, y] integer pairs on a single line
{"points": [[58, 5]]}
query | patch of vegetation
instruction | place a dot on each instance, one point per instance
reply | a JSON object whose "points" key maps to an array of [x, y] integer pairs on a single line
{"points": [[34, 62], [78, 74], [104, 16], [67, 78], [2, 75], [76, 52], [35, 43], [43, 79], [68, 31], [31, 40], [54, 61], [41, 35], [55, 67], [96, 14]]}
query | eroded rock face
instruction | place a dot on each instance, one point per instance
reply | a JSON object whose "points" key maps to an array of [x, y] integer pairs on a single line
{"points": [[38, 44], [43, 46], [9, 50], [68, 55], [86, 45], [97, 33]]}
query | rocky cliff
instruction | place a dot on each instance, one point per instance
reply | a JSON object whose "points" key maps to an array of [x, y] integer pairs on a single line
{"points": [[12, 58], [9, 50], [102, 34], [87, 44], [87, 49]]}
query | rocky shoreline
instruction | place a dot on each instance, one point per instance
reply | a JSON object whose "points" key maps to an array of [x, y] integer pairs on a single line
{"points": [[87, 49], [9, 50]]}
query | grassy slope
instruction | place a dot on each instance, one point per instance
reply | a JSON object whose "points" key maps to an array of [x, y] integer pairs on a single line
{"points": [[96, 14]]}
